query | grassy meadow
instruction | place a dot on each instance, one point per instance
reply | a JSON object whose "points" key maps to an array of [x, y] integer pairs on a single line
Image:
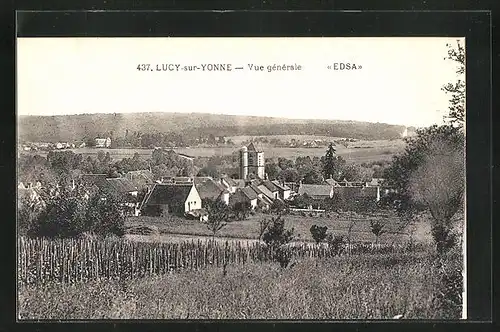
{"points": [[349, 287], [249, 228]]}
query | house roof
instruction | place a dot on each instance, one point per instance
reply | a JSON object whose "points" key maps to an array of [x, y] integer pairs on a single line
{"points": [[315, 189], [254, 147], [249, 193], [169, 194], [255, 188], [142, 173], [270, 186], [280, 186], [94, 179], [355, 192], [240, 183], [332, 182], [182, 155], [120, 185], [266, 191], [210, 189], [265, 200], [232, 182], [140, 178]]}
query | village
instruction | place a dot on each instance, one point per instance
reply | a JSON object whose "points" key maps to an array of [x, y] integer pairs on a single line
{"points": [[140, 193]]}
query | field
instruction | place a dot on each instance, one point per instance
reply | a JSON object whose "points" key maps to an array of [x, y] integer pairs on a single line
{"points": [[173, 228], [360, 151], [236, 276], [351, 287]]}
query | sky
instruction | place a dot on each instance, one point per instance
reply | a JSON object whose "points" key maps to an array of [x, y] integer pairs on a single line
{"points": [[399, 81]]}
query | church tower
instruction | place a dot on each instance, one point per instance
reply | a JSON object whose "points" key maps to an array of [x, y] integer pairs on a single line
{"points": [[252, 162]]}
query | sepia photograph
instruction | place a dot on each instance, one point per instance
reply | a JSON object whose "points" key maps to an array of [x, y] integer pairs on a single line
{"points": [[241, 178]]}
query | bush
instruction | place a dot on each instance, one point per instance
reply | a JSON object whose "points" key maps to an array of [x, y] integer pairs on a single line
{"points": [[335, 243], [318, 233], [70, 214], [276, 235], [279, 207]]}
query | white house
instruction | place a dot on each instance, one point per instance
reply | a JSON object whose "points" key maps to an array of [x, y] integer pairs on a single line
{"points": [[169, 198], [102, 142]]}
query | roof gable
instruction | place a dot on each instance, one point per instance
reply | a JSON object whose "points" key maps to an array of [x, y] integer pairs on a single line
{"points": [[280, 186], [249, 193], [210, 189], [266, 191], [315, 189], [120, 185], [163, 194], [270, 186]]}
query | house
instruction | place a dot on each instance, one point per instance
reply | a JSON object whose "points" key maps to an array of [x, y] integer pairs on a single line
{"points": [[263, 200], [352, 193], [59, 145], [171, 198], [125, 192], [102, 142], [375, 182], [142, 179], [316, 191], [186, 157], [93, 179], [332, 182], [271, 187], [232, 184], [211, 189], [283, 189], [244, 195]]}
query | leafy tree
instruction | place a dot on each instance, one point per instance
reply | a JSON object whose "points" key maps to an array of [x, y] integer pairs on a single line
{"points": [[335, 243], [302, 201], [377, 229], [72, 212], [318, 233], [279, 207], [289, 175], [284, 163], [276, 235], [209, 170], [89, 142], [456, 115], [104, 215], [272, 170], [27, 214], [313, 177], [101, 156], [263, 225], [334, 203], [64, 216], [330, 169], [242, 210], [218, 215], [107, 158]]}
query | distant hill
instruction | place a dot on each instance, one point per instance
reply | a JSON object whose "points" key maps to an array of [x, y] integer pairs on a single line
{"points": [[76, 127]]}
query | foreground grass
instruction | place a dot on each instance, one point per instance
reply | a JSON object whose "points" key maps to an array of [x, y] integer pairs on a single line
{"points": [[366, 287]]}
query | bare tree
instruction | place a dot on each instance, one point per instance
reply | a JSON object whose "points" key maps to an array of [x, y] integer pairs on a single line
{"points": [[439, 185]]}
